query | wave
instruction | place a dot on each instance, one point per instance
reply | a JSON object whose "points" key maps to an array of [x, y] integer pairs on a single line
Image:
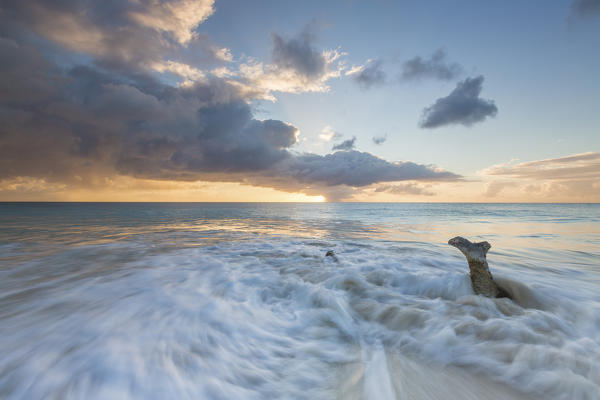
{"points": [[272, 317]]}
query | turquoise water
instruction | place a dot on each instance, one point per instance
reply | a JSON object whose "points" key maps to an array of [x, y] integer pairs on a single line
{"points": [[230, 300]]}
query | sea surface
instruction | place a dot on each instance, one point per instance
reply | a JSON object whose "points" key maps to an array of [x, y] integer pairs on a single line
{"points": [[239, 301]]}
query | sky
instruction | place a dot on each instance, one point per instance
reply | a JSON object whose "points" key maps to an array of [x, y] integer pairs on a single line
{"points": [[222, 100]]}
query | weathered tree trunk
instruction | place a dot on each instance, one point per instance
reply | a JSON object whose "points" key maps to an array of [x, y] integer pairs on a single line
{"points": [[481, 277]]}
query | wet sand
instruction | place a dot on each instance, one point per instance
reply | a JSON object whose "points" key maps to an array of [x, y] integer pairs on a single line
{"points": [[391, 376]]}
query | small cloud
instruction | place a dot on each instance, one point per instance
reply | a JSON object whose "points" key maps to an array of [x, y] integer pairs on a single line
{"points": [[345, 145], [368, 75], [435, 67], [328, 134], [354, 70], [379, 139], [298, 53], [297, 67], [261, 79], [223, 54], [462, 106]]}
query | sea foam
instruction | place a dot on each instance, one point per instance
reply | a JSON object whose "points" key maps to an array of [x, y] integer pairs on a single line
{"points": [[272, 317]]}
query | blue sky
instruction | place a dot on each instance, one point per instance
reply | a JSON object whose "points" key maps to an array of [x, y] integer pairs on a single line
{"points": [[540, 68]]}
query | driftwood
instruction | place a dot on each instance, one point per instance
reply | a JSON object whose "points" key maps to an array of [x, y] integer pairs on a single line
{"points": [[481, 277]]}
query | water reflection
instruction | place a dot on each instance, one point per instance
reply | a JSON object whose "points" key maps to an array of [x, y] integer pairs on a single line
{"points": [[42, 227]]}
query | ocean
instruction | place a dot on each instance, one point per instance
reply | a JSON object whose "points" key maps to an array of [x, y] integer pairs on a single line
{"points": [[239, 301]]}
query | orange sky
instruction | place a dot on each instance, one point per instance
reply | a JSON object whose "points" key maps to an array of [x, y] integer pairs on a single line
{"points": [[539, 181]]}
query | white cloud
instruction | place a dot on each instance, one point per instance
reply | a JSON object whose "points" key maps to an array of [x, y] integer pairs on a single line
{"points": [[355, 69], [187, 72], [223, 54], [269, 78], [179, 18], [327, 134]]}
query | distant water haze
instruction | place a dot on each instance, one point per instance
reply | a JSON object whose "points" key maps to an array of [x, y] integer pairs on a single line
{"points": [[238, 301]]}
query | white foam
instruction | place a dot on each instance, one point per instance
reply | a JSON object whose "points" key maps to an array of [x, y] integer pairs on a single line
{"points": [[274, 318]]}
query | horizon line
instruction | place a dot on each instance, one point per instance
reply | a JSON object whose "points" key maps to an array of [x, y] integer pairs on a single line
{"points": [[285, 202]]}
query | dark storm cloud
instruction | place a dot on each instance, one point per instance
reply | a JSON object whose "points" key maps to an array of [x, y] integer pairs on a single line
{"points": [[299, 54], [379, 139], [585, 8], [345, 145], [82, 117], [371, 75], [436, 67], [355, 168], [79, 124], [462, 106]]}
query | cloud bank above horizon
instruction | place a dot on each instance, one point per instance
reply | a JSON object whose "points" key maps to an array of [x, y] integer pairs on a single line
{"points": [[576, 176]]}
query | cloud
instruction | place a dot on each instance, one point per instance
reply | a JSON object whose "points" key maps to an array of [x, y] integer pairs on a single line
{"points": [[89, 124], [185, 71], [115, 33], [266, 78], [357, 169], [462, 106], [435, 67], [585, 8], [368, 75], [379, 139], [93, 120], [570, 178], [296, 67], [178, 18], [576, 166], [148, 37], [328, 134], [345, 145], [409, 188], [203, 51], [298, 54]]}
